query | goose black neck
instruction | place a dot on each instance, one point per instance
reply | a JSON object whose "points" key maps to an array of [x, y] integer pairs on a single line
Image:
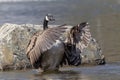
{"points": [[45, 24]]}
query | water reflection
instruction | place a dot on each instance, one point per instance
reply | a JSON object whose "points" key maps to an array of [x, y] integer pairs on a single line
{"points": [[64, 75], [106, 72]]}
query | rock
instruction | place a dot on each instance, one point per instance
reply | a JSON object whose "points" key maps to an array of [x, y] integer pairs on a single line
{"points": [[13, 42], [93, 54]]}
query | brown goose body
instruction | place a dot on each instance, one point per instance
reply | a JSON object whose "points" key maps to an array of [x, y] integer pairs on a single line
{"points": [[51, 59], [45, 49]]}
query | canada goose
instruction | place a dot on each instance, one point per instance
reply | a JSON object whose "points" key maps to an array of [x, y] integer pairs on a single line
{"points": [[47, 18], [45, 50]]}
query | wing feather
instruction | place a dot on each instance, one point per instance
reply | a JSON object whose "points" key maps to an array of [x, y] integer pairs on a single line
{"points": [[82, 36], [85, 37], [78, 38], [41, 42]]}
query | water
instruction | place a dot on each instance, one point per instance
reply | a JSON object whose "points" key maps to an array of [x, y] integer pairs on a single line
{"points": [[106, 72], [70, 12], [103, 16]]}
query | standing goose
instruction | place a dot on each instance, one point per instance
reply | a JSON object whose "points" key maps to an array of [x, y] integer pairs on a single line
{"points": [[45, 50]]}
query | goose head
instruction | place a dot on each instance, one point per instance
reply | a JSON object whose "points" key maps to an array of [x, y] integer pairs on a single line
{"points": [[48, 17]]}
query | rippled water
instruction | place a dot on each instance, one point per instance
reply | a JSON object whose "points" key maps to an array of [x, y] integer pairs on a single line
{"points": [[103, 16], [67, 11], [106, 72]]}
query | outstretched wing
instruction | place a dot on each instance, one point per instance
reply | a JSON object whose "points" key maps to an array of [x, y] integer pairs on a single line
{"points": [[41, 42], [85, 36], [78, 38]]}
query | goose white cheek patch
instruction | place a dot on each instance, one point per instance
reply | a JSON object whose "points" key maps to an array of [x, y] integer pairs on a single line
{"points": [[46, 17]]}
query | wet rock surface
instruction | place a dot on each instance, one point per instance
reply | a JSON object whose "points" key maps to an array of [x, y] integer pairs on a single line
{"points": [[13, 42], [13, 45], [93, 54]]}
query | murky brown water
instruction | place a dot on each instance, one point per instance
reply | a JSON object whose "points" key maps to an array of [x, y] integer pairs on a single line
{"points": [[105, 72]]}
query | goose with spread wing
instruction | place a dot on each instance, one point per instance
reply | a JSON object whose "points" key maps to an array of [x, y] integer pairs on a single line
{"points": [[45, 49]]}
